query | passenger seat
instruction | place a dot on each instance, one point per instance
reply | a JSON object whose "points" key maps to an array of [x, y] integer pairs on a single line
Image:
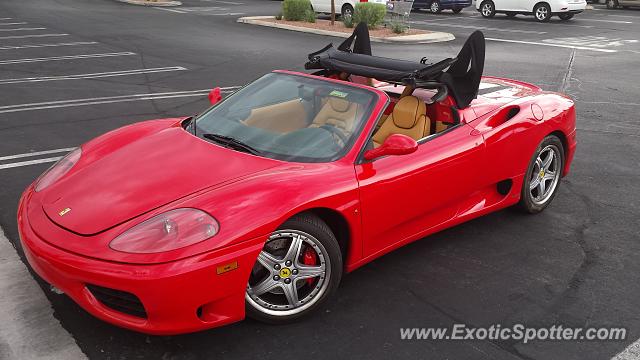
{"points": [[409, 117]]}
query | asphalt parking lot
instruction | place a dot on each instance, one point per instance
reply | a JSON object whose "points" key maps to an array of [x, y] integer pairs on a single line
{"points": [[72, 70]]}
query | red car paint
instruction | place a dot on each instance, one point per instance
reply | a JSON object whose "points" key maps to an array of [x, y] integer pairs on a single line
{"points": [[136, 172]]}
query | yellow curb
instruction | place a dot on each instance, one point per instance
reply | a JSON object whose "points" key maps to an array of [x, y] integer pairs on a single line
{"points": [[431, 37]]}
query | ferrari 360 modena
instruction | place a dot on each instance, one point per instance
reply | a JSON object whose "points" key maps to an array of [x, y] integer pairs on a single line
{"points": [[260, 204]]}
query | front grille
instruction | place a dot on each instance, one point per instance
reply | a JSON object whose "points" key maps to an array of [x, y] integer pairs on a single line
{"points": [[118, 300]]}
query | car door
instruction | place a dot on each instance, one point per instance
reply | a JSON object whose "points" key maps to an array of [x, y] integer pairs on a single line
{"points": [[403, 196]]}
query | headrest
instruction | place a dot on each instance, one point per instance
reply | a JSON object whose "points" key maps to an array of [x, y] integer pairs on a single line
{"points": [[339, 105], [408, 111]]}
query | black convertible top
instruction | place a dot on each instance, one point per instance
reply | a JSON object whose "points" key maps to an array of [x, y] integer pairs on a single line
{"points": [[461, 78]]}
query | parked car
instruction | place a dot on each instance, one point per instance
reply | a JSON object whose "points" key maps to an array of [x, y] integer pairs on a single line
{"points": [[542, 10], [436, 6], [614, 4], [343, 7]]}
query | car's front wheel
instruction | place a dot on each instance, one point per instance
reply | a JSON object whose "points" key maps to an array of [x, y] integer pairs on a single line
{"points": [[299, 267], [347, 10], [542, 12], [541, 181], [488, 9], [435, 7], [565, 17]]}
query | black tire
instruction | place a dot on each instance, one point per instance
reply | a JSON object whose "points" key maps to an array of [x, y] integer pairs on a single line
{"points": [[435, 7], [542, 12], [456, 10], [612, 4], [565, 17], [347, 9], [488, 9], [527, 202], [318, 229], [511, 15]]}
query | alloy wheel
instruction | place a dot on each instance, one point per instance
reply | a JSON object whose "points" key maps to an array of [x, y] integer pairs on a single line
{"points": [[291, 274], [542, 13], [545, 175]]}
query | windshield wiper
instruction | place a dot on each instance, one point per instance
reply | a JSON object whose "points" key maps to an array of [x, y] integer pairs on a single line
{"points": [[231, 142]]}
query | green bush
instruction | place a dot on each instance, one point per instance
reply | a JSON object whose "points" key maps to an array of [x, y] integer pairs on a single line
{"points": [[398, 27], [311, 16], [370, 13], [347, 20], [296, 10], [279, 16]]}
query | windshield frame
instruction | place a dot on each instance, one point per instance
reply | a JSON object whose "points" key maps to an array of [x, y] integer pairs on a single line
{"points": [[378, 101]]}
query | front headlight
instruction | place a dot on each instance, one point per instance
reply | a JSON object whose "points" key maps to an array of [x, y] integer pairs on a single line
{"points": [[59, 169], [168, 231]]}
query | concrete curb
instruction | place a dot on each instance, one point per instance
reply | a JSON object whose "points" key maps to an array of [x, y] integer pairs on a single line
{"points": [[152, 2], [431, 37]]}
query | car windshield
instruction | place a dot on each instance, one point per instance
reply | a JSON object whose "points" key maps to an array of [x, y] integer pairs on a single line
{"points": [[289, 117]]}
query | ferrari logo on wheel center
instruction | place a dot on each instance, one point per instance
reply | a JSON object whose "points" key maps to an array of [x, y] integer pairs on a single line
{"points": [[285, 273]]}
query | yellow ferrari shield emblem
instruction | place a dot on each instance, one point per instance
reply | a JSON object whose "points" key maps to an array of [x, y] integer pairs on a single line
{"points": [[64, 211], [285, 273]]}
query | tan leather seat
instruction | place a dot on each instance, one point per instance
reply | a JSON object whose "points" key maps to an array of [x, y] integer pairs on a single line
{"points": [[409, 117], [337, 112]]}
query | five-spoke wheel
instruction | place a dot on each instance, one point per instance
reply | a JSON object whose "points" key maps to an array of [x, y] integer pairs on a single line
{"points": [[299, 266], [543, 175]]}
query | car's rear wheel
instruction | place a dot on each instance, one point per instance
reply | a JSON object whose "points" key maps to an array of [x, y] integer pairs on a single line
{"points": [[299, 267], [565, 16], [435, 7], [488, 9], [542, 12], [541, 181], [347, 10], [612, 4], [456, 10]]}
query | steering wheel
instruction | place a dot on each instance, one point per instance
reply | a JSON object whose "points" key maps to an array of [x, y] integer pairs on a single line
{"points": [[338, 134]]}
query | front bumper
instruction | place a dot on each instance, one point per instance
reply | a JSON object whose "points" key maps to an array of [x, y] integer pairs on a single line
{"points": [[178, 297]]}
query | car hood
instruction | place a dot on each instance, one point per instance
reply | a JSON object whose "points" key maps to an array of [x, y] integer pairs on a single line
{"points": [[132, 179]]}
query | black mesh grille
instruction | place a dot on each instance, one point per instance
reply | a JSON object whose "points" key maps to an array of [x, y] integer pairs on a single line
{"points": [[118, 300]]}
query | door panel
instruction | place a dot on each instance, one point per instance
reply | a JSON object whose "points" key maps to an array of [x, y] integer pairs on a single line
{"points": [[402, 196]]}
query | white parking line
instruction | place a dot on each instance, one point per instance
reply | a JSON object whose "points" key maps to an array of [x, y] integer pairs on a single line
{"points": [[6, 18], [92, 75], [47, 45], [608, 21], [14, 23], [554, 45], [29, 162], [478, 27], [24, 29], [35, 153], [30, 36], [172, 10], [70, 57], [107, 100]]}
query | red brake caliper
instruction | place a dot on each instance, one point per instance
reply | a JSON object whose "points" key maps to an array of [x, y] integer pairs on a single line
{"points": [[309, 258]]}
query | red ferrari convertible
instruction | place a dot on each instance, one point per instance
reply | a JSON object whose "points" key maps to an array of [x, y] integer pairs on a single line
{"points": [[260, 204]]}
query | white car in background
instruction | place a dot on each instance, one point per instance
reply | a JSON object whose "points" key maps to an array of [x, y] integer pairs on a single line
{"points": [[343, 7], [542, 10]]}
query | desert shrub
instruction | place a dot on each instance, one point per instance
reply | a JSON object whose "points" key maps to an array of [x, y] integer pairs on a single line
{"points": [[311, 16], [347, 20], [370, 13], [398, 27], [296, 10]]}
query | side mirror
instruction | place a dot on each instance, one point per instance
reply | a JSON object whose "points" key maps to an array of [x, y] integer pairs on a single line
{"points": [[395, 144], [215, 96]]}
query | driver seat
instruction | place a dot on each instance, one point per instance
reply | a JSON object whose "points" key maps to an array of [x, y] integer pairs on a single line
{"points": [[336, 112], [409, 117]]}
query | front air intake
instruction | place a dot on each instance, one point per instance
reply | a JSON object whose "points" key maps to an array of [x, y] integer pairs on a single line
{"points": [[118, 300]]}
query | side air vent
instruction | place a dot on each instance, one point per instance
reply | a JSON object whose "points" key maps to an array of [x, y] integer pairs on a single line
{"points": [[504, 186], [504, 115]]}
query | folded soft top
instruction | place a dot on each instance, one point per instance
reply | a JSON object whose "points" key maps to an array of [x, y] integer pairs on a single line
{"points": [[461, 78]]}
